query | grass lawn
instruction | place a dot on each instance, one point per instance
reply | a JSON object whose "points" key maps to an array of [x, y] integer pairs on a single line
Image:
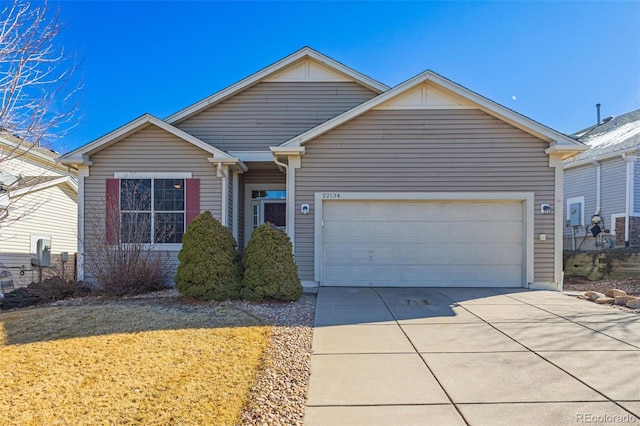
{"points": [[154, 361]]}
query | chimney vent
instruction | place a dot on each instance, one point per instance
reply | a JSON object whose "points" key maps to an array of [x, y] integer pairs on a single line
{"points": [[598, 114]]}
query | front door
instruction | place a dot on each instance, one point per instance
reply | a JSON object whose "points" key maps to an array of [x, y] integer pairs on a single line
{"points": [[274, 212], [267, 204]]}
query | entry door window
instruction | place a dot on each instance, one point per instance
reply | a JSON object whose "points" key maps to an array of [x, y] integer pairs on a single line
{"points": [[269, 206], [275, 212]]}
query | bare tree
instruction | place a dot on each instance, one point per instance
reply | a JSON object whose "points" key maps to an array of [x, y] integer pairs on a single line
{"points": [[39, 98], [38, 82], [121, 255]]}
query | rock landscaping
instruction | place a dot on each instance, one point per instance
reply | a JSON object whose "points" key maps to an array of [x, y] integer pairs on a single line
{"points": [[613, 296]]}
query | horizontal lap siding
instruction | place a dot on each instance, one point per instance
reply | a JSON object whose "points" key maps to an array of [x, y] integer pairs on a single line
{"points": [[51, 212], [614, 188], [580, 182], [268, 114], [425, 151], [636, 188], [264, 176], [150, 150]]}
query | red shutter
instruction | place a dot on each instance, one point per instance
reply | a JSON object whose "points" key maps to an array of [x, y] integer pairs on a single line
{"points": [[112, 218], [192, 195]]}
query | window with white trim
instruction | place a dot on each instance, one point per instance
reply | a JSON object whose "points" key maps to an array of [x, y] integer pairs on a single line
{"points": [[152, 210]]}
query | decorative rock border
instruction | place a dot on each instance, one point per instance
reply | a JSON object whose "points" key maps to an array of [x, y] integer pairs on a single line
{"points": [[613, 296]]}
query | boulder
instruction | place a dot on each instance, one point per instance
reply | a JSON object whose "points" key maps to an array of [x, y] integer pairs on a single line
{"points": [[614, 292], [622, 300], [634, 304], [595, 295], [604, 300]]}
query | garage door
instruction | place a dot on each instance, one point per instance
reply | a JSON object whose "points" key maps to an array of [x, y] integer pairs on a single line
{"points": [[422, 243]]}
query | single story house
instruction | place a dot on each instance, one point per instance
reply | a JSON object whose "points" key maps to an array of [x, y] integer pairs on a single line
{"points": [[38, 201], [602, 186], [423, 184]]}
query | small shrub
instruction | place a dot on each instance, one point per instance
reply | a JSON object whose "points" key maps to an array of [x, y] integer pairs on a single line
{"points": [[269, 268], [56, 288], [48, 290], [19, 298], [209, 262]]}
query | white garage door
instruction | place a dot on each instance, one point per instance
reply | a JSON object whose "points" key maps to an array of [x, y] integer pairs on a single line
{"points": [[422, 243]]}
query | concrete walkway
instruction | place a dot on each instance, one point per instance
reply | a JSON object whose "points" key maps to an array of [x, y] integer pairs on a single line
{"points": [[415, 356]]}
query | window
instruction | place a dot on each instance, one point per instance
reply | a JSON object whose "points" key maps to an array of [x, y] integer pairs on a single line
{"points": [[152, 210]]}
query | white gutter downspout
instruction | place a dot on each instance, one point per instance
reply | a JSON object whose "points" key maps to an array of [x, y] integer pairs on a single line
{"points": [[598, 186], [630, 160]]}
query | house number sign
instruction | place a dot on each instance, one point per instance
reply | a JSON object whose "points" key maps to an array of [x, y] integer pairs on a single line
{"points": [[330, 195]]}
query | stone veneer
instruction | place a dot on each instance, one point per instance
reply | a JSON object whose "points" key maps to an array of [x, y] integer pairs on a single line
{"points": [[634, 231]]}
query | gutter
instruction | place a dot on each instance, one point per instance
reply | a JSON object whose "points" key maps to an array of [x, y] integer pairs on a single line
{"points": [[630, 160], [598, 186]]}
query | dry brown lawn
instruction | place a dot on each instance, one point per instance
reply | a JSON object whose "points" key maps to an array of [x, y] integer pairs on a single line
{"points": [[128, 362]]}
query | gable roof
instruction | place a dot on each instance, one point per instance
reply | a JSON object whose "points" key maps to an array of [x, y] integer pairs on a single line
{"points": [[80, 155], [36, 183], [560, 142], [271, 70], [25, 147], [619, 134]]}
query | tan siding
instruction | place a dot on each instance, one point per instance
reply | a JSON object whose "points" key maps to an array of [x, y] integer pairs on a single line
{"points": [[264, 176], [268, 114], [149, 150], [427, 151]]}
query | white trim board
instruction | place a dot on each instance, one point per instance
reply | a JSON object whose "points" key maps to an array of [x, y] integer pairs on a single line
{"points": [[526, 197], [153, 175]]}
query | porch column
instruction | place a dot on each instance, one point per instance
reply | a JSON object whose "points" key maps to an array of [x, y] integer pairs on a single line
{"points": [[83, 172], [294, 163]]}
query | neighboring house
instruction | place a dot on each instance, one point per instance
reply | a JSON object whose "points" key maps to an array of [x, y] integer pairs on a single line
{"points": [[38, 200], [604, 181], [423, 184]]}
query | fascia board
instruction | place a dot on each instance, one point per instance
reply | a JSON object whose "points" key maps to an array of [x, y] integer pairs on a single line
{"points": [[65, 179], [479, 101], [130, 128], [584, 161]]}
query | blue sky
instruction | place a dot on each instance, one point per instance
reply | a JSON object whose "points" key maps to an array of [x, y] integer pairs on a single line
{"points": [[551, 61]]}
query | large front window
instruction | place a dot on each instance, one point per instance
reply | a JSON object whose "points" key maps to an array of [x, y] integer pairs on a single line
{"points": [[152, 210]]}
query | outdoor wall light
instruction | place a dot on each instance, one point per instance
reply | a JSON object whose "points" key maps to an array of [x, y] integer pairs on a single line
{"points": [[545, 208]]}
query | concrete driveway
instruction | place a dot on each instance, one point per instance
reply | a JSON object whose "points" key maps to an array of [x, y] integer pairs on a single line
{"points": [[416, 356]]}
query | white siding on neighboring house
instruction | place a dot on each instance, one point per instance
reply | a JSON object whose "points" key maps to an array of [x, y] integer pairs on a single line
{"points": [[29, 167], [149, 150], [270, 113], [456, 150], [51, 212]]}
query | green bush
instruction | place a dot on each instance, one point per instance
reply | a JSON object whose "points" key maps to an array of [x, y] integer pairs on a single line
{"points": [[269, 269], [209, 262]]}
